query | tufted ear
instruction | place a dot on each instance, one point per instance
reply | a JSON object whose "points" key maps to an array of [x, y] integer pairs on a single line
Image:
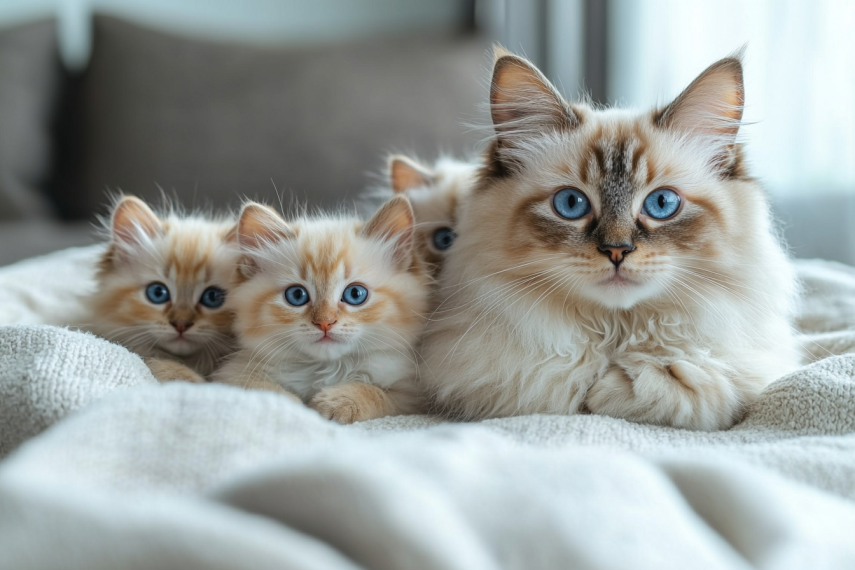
{"points": [[394, 223], [133, 223], [405, 174], [522, 101], [710, 107], [260, 225]]}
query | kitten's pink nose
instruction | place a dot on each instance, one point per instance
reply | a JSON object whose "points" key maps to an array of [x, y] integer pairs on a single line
{"points": [[324, 325], [616, 253], [181, 326]]}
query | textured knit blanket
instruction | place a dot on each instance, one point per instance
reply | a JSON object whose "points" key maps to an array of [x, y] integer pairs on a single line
{"points": [[104, 468]]}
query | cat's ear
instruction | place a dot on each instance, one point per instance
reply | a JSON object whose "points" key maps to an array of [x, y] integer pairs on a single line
{"points": [[405, 173], [133, 223], [394, 223], [260, 225], [522, 101], [232, 235], [710, 107]]}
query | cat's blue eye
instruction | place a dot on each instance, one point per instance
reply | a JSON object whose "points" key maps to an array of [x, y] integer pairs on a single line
{"points": [[355, 294], [571, 204], [661, 204], [297, 295], [443, 238], [157, 293], [213, 297]]}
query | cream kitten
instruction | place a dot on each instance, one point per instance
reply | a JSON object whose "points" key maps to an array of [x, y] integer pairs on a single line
{"points": [[435, 193], [330, 310], [161, 288], [623, 262]]}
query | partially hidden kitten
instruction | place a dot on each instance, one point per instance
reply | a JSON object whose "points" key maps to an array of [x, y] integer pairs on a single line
{"points": [[616, 261], [162, 286], [330, 309], [436, 192]]}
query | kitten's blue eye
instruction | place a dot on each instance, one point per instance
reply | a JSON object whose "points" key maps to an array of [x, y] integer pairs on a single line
{"points": [[661, 204], [571, 204], [213, 297], [297, 295], [355, 295], [157, 293], [443, 238]]}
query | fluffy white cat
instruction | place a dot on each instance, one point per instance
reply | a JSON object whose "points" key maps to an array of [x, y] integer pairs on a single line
{"points": [[616, 261]]}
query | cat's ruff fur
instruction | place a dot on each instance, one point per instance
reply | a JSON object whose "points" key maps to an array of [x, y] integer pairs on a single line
{"points": [[369, 368], [533, 318], [186, 252]]}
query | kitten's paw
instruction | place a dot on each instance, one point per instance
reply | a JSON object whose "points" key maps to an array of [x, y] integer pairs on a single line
{"points": [[352, 402], [170, 371], [680, 394]]}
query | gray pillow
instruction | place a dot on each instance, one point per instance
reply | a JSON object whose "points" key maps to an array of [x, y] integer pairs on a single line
{"points": [[29, 77], [211, 122]]}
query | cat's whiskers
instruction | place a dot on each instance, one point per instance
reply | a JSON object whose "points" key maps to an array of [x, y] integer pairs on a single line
{"points": [[262, 348], [722, 276], [703, 280], [468, 283], [452, 311], [563, 277], [374, 337], [489, 308], [757, 309], [672, 294], [267, 359]]}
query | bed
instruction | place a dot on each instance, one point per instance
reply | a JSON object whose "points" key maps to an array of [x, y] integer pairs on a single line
{"points": [[105, 468]]}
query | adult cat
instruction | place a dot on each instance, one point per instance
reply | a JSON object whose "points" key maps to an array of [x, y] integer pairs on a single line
{"points": [[624, 262]]}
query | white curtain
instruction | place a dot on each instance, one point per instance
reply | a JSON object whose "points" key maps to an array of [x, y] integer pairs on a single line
{"points": [[799, 77]]}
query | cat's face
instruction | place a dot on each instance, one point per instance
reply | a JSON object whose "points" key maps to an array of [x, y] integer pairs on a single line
{"points": [[163, 282], [612, 206], [323, 288], [435, 193]]}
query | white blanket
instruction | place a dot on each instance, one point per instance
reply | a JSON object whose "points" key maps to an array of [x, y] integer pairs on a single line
{"points": [[132, 474]]}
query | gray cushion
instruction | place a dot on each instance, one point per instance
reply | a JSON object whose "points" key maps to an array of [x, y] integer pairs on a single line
{"points": [[211, 122], [29, 77]]}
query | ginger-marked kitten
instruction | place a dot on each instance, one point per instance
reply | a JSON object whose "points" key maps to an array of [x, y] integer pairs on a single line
{"points": [[161, 289], [619, 261], [329, 310], [435, 193]]}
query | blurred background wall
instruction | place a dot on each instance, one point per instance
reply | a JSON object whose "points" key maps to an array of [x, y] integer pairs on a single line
{"points": [[209, 100], [271, 22]]}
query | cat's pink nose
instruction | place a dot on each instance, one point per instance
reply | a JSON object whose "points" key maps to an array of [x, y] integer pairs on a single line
{"points": [[325, 325], [616, 253], [181, 326]]}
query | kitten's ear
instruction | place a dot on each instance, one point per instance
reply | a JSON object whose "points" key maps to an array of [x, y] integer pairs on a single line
{"points": [[260, 225], [710, 107], [133, 223], [523, 101], [405, 173], [232, 235], [394, 223]]}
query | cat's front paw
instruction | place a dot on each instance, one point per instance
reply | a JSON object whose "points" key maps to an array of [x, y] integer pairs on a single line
{"points": [[171, 371], [352, 402], [680, 394]]}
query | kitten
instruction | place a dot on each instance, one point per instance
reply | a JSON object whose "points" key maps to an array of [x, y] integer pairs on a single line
{"points": [[161, 289], [623, 262], [435, 193], [329, 310]]}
